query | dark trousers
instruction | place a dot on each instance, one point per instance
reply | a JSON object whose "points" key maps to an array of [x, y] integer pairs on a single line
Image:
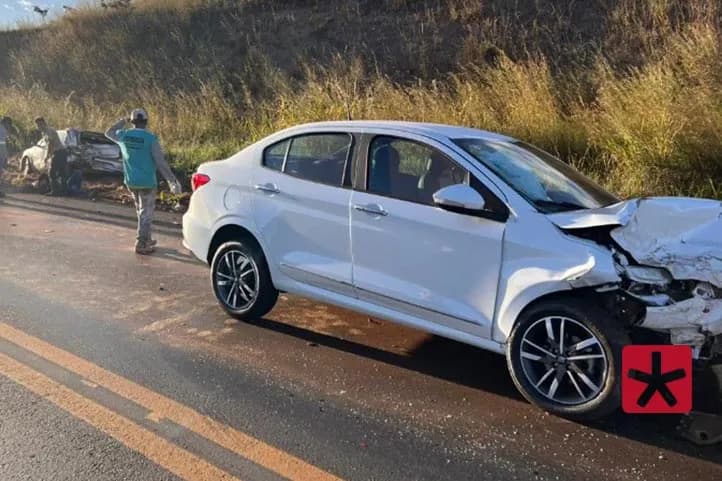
{"points": [[58, 172]]}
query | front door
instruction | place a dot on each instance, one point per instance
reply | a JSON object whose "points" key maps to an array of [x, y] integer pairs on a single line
{"points": [[413, 257]]}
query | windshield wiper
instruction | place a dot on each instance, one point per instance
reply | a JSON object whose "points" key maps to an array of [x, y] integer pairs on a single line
{"points": [[561, 205]]}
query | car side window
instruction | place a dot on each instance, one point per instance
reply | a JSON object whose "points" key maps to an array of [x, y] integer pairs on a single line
{"points": [[274, 155], [319, 157], [409, 170]]}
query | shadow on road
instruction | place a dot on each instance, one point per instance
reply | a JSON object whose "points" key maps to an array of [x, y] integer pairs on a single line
{"points": [[99, 216], [176, 255], [469, 366], [438, 357]]}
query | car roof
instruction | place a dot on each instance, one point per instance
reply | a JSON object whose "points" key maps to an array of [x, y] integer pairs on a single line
{"points": [[436, 131]]}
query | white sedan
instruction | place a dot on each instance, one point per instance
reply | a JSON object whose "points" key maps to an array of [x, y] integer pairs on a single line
{"points": [[465, 234]]}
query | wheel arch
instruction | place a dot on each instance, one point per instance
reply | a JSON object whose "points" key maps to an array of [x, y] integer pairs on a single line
{"points": [[229, 232], [510, 312], [582, 294]]}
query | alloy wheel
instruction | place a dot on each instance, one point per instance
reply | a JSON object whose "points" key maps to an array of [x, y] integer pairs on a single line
{"points": [[237, 280], [563, 360]]}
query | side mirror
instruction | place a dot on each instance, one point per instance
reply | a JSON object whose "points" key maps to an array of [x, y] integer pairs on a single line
{"points": [[459, 198]]}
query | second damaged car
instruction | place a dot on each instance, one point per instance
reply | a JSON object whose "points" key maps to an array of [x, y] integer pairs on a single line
{"points": [[466, 234], [88, 151]]}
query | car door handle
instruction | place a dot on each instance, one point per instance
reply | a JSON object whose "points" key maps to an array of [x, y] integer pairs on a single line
{"points": [[270, 188], [373, 209]]}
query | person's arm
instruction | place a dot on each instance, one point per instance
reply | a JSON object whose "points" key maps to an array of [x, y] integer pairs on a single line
{"points": [[54, 143], [162, 165], [112, 132]]}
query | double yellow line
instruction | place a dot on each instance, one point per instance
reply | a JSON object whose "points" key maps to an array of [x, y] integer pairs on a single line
{"points": [[178, 461]]}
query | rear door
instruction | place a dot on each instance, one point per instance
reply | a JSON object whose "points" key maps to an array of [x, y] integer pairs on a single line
{"points": [[414, 257], [301, 202]]}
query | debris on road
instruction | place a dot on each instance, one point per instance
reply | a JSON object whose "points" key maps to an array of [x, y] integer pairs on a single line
{"points": [[703, 429]]}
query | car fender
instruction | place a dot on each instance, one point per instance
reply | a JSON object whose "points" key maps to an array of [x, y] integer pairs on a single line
{"points": [[237, 220], [539, 259], [517, 301]]}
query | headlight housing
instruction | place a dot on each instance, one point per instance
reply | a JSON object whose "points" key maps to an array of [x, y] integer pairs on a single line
{"points": [[648, 275]]}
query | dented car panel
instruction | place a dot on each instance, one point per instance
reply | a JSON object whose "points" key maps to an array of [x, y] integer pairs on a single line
{"points": [[687, 320], [89, 151], [675, 245], [538, 259], [682, 235], [615, 214]]}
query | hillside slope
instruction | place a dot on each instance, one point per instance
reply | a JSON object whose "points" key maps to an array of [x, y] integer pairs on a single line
{"points": [[628, 90]]}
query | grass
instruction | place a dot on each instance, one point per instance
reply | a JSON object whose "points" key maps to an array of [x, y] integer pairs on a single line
{"points": [[629, 91]]}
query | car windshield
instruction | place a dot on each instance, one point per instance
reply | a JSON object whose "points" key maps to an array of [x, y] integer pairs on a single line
{"points": [[542, 179]]}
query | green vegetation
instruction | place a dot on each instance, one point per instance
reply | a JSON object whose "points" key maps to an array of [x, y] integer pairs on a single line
{"points": [[627, 90]]}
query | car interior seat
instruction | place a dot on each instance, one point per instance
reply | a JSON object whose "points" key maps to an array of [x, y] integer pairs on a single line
{"points": [[385, 161], [430, 182]]}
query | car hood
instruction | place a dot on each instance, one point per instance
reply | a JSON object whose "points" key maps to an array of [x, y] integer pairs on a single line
{"points": [[683, 235]]}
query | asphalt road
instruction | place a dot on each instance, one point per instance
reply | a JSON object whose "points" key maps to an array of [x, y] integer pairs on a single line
{"points": [[114, 366]]}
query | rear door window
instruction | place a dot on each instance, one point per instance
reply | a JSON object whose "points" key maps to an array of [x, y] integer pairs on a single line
{"points": [[274, 155]]}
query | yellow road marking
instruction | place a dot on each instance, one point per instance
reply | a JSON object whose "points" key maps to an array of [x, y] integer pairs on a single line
{"points": [[177, 460], [242, 444]]}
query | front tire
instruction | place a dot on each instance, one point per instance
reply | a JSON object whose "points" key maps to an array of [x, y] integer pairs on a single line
{"points": [[565, 357], [241, 280]]}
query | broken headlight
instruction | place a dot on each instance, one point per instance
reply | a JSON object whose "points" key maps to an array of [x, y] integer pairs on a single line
{"points": [[648, 275], [653, 286]]}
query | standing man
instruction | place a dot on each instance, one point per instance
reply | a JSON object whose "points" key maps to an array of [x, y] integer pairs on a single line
{"points": [[142, 156], [6, 129], [56, 157]]}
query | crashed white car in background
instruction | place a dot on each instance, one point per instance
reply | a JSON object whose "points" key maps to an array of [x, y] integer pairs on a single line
{"points": [[89, 151], [469, 235]]}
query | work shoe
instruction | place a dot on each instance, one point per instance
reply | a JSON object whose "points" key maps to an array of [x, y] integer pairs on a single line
{"points": [[153, 243], [144, 249]]}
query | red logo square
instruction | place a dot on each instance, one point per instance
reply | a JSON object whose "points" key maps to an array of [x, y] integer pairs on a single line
{"points": [[656, 379]]}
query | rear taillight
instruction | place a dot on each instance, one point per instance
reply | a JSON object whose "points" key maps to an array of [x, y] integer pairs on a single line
{"points": [[198, 180]]}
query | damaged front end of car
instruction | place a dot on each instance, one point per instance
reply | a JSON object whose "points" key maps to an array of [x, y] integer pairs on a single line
{"points": [[668, 255]]}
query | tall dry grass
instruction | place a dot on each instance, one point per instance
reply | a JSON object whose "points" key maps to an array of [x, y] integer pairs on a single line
{"points": [[627, 90]]}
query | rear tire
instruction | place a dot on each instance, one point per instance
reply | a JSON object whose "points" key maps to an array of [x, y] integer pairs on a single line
{"points": [[241, 280], [580, 381]]}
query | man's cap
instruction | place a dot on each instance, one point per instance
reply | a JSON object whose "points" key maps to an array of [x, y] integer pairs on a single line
{"points": [[139, 114]]}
